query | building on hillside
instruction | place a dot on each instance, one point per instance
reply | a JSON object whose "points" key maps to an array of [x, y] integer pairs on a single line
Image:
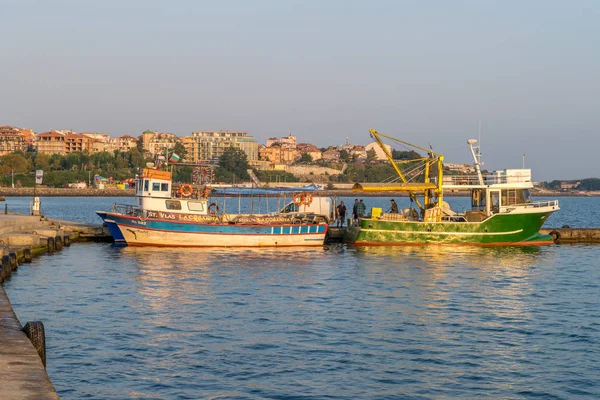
{"points": [[52, 142], [12, 139], [332, 154], [310, 149], [101, 142], [75, 142], [126, 143], [379, 153], [158, 143], [459, 168], [357, 152], [569, 185], [288, 142], [277, 154], [208, 146]]}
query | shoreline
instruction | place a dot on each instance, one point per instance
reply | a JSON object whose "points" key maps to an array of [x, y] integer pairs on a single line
{"points": [[113, 192]]}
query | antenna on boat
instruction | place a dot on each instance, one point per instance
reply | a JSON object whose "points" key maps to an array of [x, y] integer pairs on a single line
{"points": [[476, 153]]}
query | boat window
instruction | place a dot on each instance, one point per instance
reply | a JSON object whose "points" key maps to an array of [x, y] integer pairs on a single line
{"points": [[478, 200], [173, 204], [155, 187], [164, 187], [515, 196], [196, 205], [290, 208], [146, 185], [495, 200]]}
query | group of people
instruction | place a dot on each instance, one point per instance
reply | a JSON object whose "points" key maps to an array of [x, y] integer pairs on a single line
{"points": [[358, 211]]}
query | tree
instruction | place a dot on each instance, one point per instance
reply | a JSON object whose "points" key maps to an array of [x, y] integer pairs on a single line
{"points": [[371, 155], [16, 163], [306, 158], [233, 165], [139, 144], [344, 155], [405, 155], [42, 161], [136, 159], [180, 150]]}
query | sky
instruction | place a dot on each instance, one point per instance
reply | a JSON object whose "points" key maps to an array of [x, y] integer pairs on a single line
{"points": [[527, 72]]}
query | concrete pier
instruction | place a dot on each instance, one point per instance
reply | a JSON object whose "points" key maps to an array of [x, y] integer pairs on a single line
{"points": [[22, 372], [573, 235]]}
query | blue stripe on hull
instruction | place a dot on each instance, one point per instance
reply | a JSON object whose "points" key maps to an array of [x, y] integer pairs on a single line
{"points": [[171, 233]]}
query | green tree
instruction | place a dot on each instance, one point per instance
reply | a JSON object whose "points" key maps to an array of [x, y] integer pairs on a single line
{"points": [[180, 150], [233, 166], [139, 144], [136, 159], [16, 163], [344, 155], [42, 161], [306, 158], [405, 155], [371, 155]]}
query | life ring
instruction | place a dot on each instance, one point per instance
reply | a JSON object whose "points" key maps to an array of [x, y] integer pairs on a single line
{"points": [[213, 208], [298, 199], [308, 198], [186, 190]]}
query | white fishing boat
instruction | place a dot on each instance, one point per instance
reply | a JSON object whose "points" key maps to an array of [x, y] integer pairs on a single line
{"points": [[186, 217]]}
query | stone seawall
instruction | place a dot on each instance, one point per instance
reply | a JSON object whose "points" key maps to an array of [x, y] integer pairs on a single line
{"points": [[42, 192]]}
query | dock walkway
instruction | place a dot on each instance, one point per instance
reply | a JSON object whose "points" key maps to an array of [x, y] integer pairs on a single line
{"points": [[22, 372]]}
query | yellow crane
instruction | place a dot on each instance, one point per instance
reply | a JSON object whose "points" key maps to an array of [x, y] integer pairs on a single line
{"points": [[427, 187]]}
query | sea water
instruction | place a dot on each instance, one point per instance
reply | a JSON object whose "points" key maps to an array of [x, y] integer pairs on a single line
{"points": [[332, 322]]}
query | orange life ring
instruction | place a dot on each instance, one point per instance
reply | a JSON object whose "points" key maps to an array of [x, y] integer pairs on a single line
{"points": [[186, 190], [298, 199], [308, 198], [213, 208]]}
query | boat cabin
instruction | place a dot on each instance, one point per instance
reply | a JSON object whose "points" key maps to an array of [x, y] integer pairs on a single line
{"points": [[154, 192]]}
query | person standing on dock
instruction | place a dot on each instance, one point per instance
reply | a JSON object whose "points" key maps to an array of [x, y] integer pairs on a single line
{"points": [[394, 207], [355, 212], [341, 210], [360, 209]]}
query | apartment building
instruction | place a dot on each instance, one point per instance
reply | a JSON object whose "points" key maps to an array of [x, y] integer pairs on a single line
{"points": [[208, 146], [12, 139], [157, 143], [308, 148], [277, 154], [51, 143]]}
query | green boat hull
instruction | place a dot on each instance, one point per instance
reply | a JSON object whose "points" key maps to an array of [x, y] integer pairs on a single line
{"points": [[500, 229]]}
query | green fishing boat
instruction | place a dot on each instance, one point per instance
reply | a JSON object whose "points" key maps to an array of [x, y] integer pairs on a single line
{"points": [[502, 211]]}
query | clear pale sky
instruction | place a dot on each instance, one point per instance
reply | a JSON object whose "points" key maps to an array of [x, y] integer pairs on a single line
{"points": [[422, 71]]}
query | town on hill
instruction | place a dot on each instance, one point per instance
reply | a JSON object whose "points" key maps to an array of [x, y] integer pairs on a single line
{"points": [[71, 158]]}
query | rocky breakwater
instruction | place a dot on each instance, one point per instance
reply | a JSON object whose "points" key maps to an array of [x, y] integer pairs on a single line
{"points": [[44, 191]]}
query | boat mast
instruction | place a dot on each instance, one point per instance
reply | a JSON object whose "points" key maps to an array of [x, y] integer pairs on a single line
{"points": [[476, 153]]}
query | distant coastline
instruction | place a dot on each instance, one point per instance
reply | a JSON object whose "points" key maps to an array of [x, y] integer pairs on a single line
{"points": [[114, 192]]}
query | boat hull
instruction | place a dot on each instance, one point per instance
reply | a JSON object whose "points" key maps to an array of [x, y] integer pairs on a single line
{"points": [[499, 230], [150, 232], [112, 227]]}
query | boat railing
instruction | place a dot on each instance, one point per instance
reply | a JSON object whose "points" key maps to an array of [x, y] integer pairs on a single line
{"points": [[533, 204], [461, 180], [127, 209], [472, 180]]}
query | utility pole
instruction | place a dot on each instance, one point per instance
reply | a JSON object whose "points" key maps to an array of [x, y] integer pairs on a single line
{"points": [[12, 173], [523, 161]]}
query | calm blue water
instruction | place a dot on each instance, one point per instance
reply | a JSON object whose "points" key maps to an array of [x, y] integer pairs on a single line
{"points": [[333, 322]]}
